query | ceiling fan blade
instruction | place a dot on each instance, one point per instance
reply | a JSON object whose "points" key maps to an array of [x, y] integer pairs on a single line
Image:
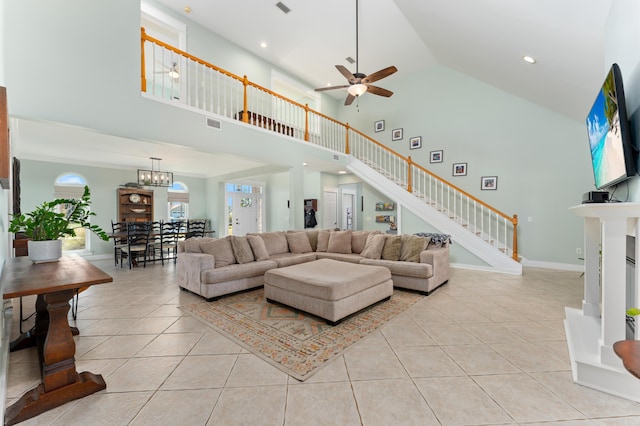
{"points": [[349, 99], [345, 72], [378, 75], [379, 91], [322, 89]]}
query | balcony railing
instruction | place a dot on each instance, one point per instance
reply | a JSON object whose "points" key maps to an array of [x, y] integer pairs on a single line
{"points": [[173, 74]]}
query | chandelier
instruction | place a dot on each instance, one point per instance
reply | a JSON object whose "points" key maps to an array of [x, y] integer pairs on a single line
{"points": [[154, 177]]}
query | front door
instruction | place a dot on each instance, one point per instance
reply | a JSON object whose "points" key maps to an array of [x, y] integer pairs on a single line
{"points": [[244, 218]]}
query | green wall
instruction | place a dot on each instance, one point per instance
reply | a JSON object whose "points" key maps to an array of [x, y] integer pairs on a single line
{"points": [[541, 158], [37, 186]]}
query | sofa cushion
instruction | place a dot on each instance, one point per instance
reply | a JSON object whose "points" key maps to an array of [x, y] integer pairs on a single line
{"points": [[275, 242], [391, 249], [257, 246], [406, 269], [411, 247], [242, 249], [288, 259], [323, 240], [339, 242], [343, 257], [236, 272], [373, 247], [298, 242], [221, 251], [358, 241]]}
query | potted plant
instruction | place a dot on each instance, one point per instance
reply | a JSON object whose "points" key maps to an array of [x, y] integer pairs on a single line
{"points": [[52, 220]]}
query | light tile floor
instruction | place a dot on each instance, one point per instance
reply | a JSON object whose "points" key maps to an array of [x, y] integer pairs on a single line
{"points": [[484, 349]]}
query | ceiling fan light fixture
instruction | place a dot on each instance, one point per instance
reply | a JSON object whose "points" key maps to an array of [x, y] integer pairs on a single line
{"points": [[174, 74], [357, 89]]}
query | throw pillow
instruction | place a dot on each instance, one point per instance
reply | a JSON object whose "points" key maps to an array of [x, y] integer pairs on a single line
{"points": [[313, 238], [391, 249], [192, 245], [298, 242], [259, 249], [373, 247], [221, 251], [242, 249], [412, 246], [358, 240], [323, 240], [275, 242], [339, 242]]}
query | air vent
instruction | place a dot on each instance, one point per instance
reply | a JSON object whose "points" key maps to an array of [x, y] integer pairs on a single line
{"points": [[336, 157], [283, 7], [350, 60], [216, 124]]}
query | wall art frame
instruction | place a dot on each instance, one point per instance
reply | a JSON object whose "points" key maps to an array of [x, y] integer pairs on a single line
{"points": [[436, 156], [396, 134], [459, 169], [378, 126], [489, 183], [415, 142]]}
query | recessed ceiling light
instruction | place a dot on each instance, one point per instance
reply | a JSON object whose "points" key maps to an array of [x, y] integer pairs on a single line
{"points": [[529, 59], [342, 172], [328, 84], [263, 44], [304, 164]]}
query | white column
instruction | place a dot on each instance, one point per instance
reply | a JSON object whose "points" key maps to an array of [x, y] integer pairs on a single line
{"points": [[613, 287], [591, 301]]}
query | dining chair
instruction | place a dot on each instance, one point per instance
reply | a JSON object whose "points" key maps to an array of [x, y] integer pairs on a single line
{"points": [[195, 228], [118, 242], [169, 232], [154, 238], [137, 242]]}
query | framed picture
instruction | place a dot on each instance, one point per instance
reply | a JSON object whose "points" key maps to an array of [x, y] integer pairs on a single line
{"points": [[436, 156], [415, 142], [378, 126], [459, 169], [396, 134], [489, 183]]}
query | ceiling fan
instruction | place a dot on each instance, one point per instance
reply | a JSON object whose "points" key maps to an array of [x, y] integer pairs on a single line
{"points": [[172, 71], [360, 83]]}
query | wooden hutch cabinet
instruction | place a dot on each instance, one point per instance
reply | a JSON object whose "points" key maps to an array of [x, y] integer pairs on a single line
{"points": [[135, 205]]}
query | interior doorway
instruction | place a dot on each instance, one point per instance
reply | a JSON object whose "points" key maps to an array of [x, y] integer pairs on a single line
{"points": [[348, 206], [330, 208]]}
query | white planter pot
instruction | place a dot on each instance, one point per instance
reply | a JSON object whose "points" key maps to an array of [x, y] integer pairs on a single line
{"points": [[45, 251]]}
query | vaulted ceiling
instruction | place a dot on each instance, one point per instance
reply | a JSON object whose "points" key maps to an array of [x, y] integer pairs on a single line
{"points": [[484, 39]]}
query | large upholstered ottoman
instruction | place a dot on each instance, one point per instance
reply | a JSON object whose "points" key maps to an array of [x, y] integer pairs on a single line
{"points": [[328, 288]]}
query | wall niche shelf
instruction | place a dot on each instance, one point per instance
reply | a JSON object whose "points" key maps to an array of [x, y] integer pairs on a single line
{"points": [[135, 205]]}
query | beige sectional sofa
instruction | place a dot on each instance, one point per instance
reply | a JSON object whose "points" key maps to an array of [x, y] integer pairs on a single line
{"points": [[214, 267]]}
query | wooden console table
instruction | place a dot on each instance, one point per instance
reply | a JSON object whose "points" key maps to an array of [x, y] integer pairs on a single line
{"points": [[54, 283]]}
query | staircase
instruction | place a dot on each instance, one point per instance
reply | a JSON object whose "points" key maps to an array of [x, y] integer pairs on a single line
{"points": [[484, 231]]}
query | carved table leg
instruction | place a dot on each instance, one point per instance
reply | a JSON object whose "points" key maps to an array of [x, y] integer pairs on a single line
{"points": [[60, 381]]}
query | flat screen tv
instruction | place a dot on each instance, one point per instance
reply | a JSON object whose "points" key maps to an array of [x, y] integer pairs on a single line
{"points": [[612, 151]]}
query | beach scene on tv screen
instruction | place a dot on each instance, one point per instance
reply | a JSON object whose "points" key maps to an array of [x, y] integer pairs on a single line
{"points": [[605, 140]]}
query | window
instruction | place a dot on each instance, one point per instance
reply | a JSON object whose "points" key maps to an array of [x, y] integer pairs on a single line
{"points": [[178, 199], [71, 185]]}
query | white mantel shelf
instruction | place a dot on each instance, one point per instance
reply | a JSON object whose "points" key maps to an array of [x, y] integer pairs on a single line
{"points": [[592, 330]]}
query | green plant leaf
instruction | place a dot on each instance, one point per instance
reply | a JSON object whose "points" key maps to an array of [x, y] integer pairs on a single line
{"points": [[633, 311]]}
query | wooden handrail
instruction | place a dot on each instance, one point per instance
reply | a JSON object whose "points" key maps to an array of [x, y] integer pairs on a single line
{"points": [[245, 118]]}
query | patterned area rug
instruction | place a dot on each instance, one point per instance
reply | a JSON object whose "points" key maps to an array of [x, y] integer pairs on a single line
{"points": [[293, 341]]}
